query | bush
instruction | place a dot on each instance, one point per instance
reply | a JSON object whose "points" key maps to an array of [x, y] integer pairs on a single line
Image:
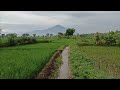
{"points": [[118, 42], [84, 44], [20, 41], [11, 42], [45, 41], [110, 40], [0, 42], [34, 40], [98, 39], [26, 40]]}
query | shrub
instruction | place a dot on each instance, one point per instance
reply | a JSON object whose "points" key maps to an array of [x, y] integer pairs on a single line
{"points": [[20, 41], [109, 40], [26, 40], [84, 44], [97, 39], [0, 42], [34, 40], [118, 42], [11, 42], [45, 41]]}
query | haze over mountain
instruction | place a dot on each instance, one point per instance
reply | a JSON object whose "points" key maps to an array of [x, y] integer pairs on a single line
{"points": [[83, 21], [52, 30]]}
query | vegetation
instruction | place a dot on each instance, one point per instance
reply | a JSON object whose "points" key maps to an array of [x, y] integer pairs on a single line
{"points": [[83, 67], [25, 61], [13, 40], [92, 56], [70, 31], [55, 71], [104, 58]]}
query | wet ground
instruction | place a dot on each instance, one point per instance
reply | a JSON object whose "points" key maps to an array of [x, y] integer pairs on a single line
{"points": [[64, 69]]}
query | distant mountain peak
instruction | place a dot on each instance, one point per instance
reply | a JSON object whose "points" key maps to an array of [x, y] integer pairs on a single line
{"points": [[58, 26], [53, 30]]}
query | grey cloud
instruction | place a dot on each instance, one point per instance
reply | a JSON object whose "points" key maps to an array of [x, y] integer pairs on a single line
{"points": [[83, 21]]}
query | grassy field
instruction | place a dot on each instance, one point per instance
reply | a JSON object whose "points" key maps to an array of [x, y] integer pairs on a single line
{"points": [[106, 59], [86, 62], [94, 62], [83, 67], [27, 60]]}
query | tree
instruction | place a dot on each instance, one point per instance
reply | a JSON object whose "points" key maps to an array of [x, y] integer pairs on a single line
{"points": [[51, 35], [78, 34], [34, 35], [2, 35], [70, 31], [47, 35], [12, 35], [60, 34], [11, 39], [110, 38], [25, 35], [97, 38], [0, 31]]}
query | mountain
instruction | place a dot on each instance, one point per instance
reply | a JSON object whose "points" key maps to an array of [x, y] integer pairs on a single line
{"points": [[52, 30]]}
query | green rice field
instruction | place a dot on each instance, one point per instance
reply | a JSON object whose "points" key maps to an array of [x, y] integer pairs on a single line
{"points": [[26, 61]]}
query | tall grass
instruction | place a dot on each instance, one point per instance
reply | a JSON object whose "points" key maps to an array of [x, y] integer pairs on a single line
{"points": [[24, 62], [106, 58], [83, 67]]}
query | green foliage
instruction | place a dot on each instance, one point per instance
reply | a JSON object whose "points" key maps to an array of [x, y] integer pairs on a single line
{"points": [[105, 58], [26, 40], [57, 64], [60, 35], [119, 42], [70, 31], [110, 38], [26, 61], [45, 40], [87, 40], [83, 67], [99, 39], [11, 40], [0, 41]]}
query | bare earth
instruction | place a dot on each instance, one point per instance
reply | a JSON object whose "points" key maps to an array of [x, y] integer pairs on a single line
{"points": [[64, 69]]}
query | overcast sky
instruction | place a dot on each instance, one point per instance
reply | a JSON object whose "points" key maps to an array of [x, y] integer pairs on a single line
{"points": [[82, 21]]}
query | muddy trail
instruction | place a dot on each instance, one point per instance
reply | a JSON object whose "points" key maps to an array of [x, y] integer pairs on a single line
{"points": [[64, 72]]}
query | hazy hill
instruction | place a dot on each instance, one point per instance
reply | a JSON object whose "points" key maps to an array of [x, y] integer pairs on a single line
{"points": [[52, 30]]}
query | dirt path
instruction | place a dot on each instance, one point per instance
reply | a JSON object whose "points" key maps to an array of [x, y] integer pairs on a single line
{"points": [[64, 69]]}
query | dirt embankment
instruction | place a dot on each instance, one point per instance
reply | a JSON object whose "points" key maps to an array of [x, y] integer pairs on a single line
{"points": [[46, 71]]}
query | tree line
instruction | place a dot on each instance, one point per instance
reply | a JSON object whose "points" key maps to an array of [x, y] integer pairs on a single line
{"points": [[13, 39], [110, 39]]}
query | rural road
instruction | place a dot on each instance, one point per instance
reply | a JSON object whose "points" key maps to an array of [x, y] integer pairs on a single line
{"points": [[64, 69]]}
